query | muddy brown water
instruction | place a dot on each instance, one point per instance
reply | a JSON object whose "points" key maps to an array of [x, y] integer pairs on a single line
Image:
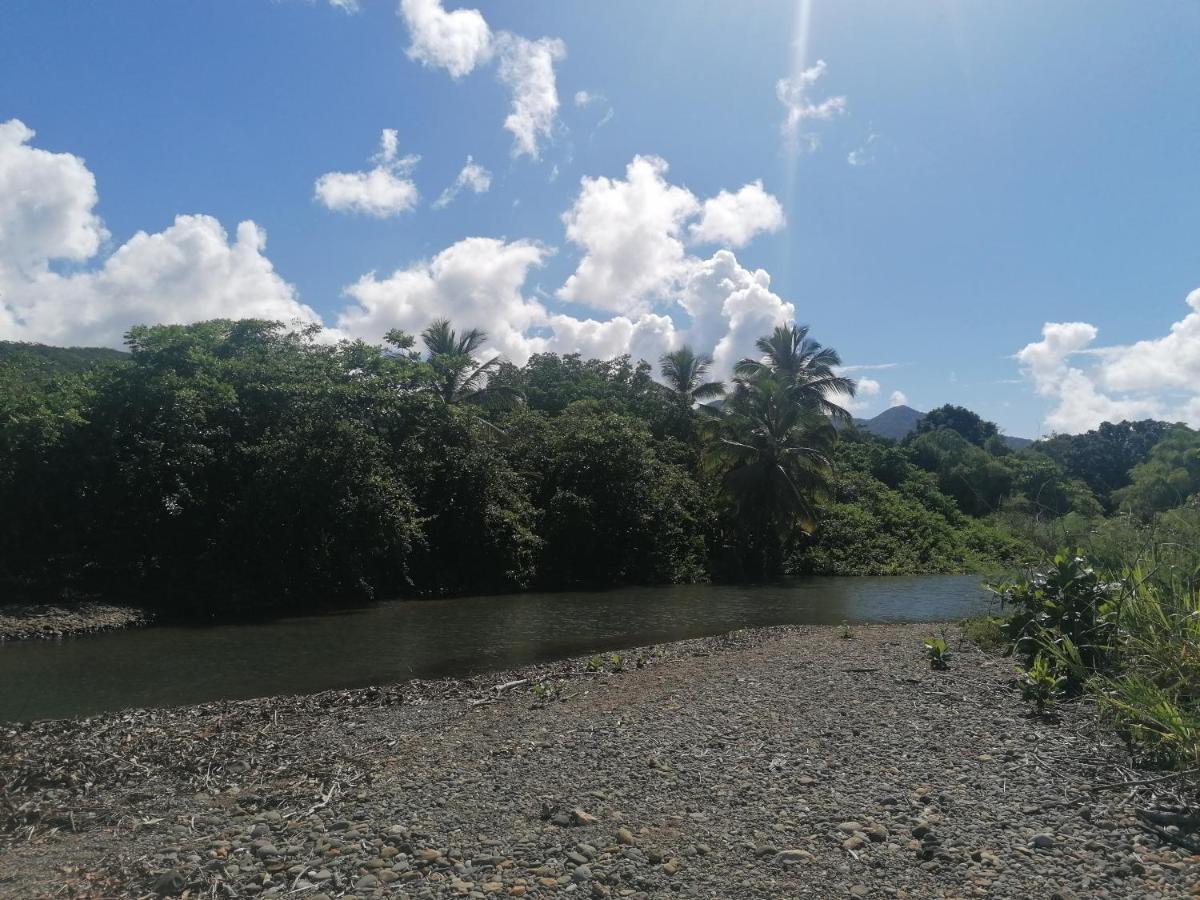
{"points": [[169, 665]]}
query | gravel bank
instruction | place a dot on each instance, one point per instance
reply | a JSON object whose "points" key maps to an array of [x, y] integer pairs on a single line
{"points": [[25, 621], [772, 763]]}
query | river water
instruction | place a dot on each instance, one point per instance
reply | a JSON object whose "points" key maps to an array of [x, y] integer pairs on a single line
{"points": [[388, 642]]}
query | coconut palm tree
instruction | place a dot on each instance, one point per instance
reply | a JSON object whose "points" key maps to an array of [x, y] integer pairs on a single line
{"points": [[806, 367], [683, 373], [458, 376], [771, 455]]}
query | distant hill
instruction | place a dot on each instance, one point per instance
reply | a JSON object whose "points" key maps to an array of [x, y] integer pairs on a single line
{"points": [[27, 368], [60, 359], [896, 423]]}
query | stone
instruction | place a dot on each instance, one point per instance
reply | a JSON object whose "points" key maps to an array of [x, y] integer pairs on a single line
{"points": [[1044, 841], [625, 836], [854, 842], [671, 866], [850, 827], [582, 818], [366, 883], [581, 873], [169, 883], [792, 857]]}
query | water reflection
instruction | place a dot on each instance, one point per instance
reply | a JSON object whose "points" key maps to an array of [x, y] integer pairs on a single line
{"points": [[395, 641]]}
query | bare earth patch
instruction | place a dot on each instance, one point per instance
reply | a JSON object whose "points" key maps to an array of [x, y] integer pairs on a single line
{"points": [[788, 762]]}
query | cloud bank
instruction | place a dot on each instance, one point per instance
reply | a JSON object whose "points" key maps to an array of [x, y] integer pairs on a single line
{"points": [[188, 272], [1157, 378]]}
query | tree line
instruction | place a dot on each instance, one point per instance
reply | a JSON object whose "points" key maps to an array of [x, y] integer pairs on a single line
{"points": [[245, 464]]}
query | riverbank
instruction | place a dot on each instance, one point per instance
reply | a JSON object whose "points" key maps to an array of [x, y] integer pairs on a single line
{"points": [[783, 762], [27, 621]]}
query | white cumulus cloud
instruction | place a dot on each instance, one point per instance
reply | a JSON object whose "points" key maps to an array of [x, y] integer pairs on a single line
{"points": [[799, 107], [1158, 378], [188, 272], [730, 308], [631, 232], [898, 398], [383, 191], [476, 283], [456, 41], [866, 393], [527, 68], [736, 218], [47, 205], [473, 177], [647, 337], [461, 40]]}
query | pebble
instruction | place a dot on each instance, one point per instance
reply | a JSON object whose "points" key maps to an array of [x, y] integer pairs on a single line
{"points": [[430, 806]]}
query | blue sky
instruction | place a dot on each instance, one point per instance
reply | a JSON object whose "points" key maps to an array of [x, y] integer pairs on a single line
{"points": [[1018, 164]]}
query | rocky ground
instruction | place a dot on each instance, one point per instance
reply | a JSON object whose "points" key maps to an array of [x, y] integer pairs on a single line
{"points": [[24, 621], [771, 763]]}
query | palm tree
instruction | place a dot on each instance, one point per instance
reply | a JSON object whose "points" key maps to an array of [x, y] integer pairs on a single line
{"points": [[683, 372], [772, 457], [804, 366], [458, 376]]}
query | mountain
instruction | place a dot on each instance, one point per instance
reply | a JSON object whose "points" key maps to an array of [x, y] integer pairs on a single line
{"points": [[895, 423], [57, 359]]}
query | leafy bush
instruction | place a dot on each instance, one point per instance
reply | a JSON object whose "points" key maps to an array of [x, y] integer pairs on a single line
{"points": [[1130, 638], [938, 653], [1041, 683]]}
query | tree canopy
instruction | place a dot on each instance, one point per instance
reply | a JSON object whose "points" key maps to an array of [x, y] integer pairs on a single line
{"points": [[248, 465]]}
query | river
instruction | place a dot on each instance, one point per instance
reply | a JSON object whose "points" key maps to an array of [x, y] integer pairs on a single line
{"points": [[168, 665]]}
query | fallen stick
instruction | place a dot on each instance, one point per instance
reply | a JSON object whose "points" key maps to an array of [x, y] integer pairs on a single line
{"points": [[1124, 784], [510, 684]]}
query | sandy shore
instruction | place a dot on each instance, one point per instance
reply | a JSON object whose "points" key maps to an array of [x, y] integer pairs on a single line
{"points": [[788, 762], [28, 621]]}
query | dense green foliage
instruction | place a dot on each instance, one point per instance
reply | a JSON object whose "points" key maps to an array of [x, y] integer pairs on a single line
{"points": [[966, 424], [1104, 457], [243, 464], [1128, 635], [887, 516]]}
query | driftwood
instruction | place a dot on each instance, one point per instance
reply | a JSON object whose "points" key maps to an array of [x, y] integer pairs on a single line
{"points": [[508, 685]]}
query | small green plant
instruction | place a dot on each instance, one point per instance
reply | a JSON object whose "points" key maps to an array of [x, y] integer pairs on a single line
{"points": [[545, 691], [615, 662], [596, 663], [986, 632], [847, 634], [1041, 683], [938, 653]]}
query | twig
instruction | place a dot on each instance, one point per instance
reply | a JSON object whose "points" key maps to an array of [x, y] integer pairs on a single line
{"points": [[1138, 783], [1177, 839], [510, 684]]}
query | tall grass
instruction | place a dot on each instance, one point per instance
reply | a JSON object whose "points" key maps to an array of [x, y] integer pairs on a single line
{"points": [[1129, 636], [1152, 685]]}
